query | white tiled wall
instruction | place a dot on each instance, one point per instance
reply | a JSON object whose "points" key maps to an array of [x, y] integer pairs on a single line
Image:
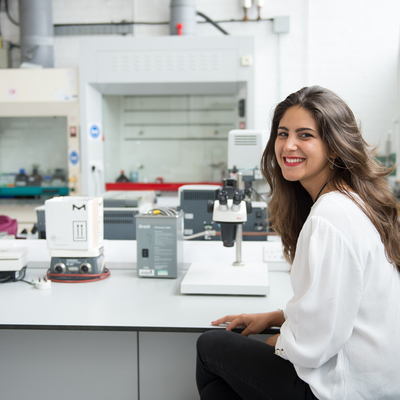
{"points": [[91, 11], [349, 46]]}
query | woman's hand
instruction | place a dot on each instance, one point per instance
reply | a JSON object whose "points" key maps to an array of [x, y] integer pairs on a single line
{"points": [[255, 323], [272, 340]]}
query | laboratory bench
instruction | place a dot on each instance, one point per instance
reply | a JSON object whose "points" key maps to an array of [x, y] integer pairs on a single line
{"points": [[123, 338], [34, 191]]}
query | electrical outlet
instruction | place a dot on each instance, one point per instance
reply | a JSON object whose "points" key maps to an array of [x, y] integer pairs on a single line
{"points": [[273, 252], [246, 61], [97, 166], [273, 255]]}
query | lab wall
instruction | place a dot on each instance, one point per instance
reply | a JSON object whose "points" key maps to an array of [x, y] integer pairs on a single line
{"points": [[350, 47]]}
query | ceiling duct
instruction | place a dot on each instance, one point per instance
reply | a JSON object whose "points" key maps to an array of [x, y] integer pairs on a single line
{"points": [[36, 29]]}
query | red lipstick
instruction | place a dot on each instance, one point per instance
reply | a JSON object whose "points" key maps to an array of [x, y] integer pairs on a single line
{"points": [[293, 161]]}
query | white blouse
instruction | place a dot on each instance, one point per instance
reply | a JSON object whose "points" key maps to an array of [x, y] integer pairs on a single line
{"points": [[342, 328]]}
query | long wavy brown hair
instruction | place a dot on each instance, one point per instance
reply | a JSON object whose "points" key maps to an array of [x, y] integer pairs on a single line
{"points": [[355, 168]]}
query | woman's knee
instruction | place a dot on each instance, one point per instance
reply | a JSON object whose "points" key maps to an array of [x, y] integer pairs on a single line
{"points": [[215, 340]]}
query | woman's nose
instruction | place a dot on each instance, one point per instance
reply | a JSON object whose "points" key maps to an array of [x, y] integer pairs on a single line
{"points": [[290, 144]]}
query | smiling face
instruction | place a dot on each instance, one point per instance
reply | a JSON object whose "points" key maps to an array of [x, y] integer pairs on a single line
{"points": [[300, 151]]}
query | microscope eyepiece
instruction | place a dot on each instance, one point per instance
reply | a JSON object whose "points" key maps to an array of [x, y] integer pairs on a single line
{"points": [[238, 196], [223, 197]]}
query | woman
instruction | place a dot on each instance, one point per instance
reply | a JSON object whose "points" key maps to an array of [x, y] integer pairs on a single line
{"points": [[338, 221]]}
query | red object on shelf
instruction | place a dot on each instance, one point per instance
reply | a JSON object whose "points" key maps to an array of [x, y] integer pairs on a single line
{"points": [[168, 187], [72, 131], [179, 28]]}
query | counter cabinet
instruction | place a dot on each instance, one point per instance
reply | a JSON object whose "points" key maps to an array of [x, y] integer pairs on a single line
{"points": [[122, 338]]}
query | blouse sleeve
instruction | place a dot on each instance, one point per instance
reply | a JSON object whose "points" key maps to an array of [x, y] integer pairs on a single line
{"points": [[327, 282]]}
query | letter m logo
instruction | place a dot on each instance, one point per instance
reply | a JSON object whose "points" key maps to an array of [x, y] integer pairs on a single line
{"points": [[74, 207]]}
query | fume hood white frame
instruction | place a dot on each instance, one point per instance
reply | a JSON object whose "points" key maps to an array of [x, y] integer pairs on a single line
{"points": [[167, 65]]}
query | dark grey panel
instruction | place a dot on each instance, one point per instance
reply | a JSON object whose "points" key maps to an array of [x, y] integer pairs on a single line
{"points": [[167, 365], [66, 365]]}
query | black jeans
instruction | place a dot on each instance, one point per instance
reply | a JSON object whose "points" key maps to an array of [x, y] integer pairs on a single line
{"points": [[232, 366]]}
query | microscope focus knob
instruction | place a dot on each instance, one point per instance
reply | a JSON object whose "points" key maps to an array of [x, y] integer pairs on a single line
{"points": [[249, 207], [210, 206]]}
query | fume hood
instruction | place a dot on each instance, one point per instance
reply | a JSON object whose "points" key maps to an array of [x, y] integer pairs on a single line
{"points": [[39, 131], [161, 108]]}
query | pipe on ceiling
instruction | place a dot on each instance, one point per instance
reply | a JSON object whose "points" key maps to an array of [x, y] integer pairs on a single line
{"points": [[183, 17], [37, 33]]}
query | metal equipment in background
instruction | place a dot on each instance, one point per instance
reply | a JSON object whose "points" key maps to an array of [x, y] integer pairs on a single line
{"points": [[230, 210], [74, 227], [193, 202], [120, 209], [159, 243], [245, 150]]}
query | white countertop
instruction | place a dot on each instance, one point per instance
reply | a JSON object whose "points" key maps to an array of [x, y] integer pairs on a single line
{"points": [[126, 302]]}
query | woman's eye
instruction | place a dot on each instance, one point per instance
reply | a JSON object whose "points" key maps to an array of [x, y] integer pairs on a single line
{"points": [[282, 134], [306, 135]]}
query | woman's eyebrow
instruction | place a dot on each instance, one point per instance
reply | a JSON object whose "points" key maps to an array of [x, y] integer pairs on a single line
{"points": [[304, 129], [297, 130]]}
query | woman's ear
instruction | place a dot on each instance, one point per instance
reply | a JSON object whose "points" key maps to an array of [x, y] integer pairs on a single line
{"points": [[332, 155]]}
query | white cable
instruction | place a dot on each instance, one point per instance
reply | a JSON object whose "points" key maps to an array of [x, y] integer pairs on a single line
{"points": [[167, 211], [247, 169], [94, 182], [200, 234], [101, 184]]}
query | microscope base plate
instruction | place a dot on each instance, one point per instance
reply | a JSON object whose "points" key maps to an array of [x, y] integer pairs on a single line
{"points": [[226, 279]]}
